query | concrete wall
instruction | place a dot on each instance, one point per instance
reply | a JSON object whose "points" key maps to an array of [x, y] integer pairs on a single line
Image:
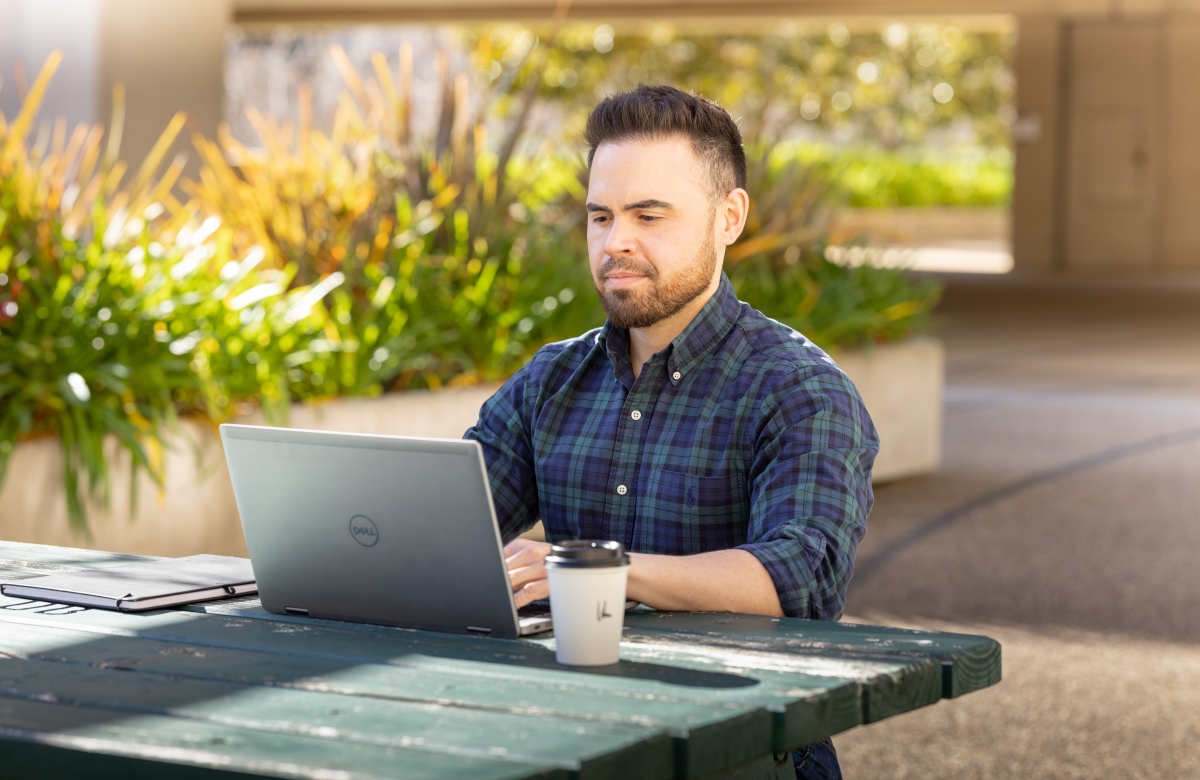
{"points": [[1087, 199]]}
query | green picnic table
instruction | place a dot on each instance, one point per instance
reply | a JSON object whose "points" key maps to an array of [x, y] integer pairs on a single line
{"points": [[226, 689]]}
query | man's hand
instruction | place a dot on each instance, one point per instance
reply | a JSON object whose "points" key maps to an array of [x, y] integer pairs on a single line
{"points": [[523, 559], [719, 581]]}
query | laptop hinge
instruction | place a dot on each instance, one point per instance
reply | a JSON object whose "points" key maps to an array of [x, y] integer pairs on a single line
{"points": [[478, 630], [296, 611]]}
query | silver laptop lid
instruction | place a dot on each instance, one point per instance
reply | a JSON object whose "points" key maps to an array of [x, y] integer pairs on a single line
{"points": [[375, 529]]}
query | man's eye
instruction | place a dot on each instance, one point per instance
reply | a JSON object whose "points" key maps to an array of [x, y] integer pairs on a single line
{"points": [[648, 217], [598, 219]]}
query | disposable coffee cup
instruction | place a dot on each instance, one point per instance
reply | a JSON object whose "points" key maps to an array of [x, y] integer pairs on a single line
{"points": [[587, 600]]}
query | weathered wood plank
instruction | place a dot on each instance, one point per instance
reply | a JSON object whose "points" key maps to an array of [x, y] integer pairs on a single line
{"points": [[886, 686], [969, 668], [705, 732], [808, 699], [810, 692], [708, 680], [588, 751], [970, 662], [71, 557], [47, 741]]}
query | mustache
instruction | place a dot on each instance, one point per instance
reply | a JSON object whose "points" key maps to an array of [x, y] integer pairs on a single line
{"points": [[630, 264]]}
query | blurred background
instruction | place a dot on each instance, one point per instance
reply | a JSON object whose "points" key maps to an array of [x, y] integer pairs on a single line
{"points": [[364, 216]]}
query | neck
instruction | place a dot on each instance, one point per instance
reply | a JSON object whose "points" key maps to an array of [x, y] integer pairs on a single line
{"points": [[644, 343]]}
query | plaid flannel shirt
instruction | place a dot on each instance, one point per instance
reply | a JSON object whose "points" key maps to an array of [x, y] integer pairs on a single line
{"points": [[740, 434]]}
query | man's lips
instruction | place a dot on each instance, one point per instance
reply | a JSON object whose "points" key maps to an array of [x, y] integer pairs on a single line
{"points": [[619, 279]]}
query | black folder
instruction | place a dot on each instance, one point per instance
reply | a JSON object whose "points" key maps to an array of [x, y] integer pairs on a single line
{"points": [[136, 587]]}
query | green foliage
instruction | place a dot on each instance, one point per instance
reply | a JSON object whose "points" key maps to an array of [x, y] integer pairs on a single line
{"points": [[116, 316], [117, 339], [76, 360], [872, 177], [836, 305], [779, 267], [890, 91], [79, 360], [876, 85]]}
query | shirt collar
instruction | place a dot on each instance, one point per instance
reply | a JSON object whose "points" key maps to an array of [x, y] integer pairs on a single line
{"points": [[701, 336]]}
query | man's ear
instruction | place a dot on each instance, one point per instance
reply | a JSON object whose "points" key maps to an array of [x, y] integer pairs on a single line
{"points": [[732, 214]]}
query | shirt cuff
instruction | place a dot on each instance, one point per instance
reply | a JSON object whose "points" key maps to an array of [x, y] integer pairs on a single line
{"points": [[787, 560]]}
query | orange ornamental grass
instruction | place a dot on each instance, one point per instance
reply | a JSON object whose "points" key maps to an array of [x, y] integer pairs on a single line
{"points": [[430, 238]]}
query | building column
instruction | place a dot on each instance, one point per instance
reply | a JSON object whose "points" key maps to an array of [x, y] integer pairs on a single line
{"points": [[29, 31], [1181, 185], [1035, 199], [169, 55]]}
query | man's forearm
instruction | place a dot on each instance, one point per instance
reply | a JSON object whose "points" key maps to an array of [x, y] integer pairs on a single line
{"points": [[720, 581]]}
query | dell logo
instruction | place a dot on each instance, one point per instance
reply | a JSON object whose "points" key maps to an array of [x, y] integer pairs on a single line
{"points": [[363, 529]]}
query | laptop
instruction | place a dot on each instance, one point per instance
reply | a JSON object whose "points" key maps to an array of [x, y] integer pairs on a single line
{"points": [[389, 530]]}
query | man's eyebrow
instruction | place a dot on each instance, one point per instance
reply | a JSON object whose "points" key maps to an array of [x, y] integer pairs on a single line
{"points": [[650, 203]]}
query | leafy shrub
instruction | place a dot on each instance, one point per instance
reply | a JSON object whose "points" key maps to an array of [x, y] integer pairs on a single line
{"points": [[871, 177], [836, 305], [779, 267], [115, 316]]}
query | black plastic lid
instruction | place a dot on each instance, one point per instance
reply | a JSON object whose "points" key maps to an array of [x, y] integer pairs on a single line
{"points": [[586, 554]]}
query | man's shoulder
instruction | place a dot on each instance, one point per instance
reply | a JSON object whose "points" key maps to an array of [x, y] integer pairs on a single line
{"points": [[780, 346], [796, 371], [560, 358], [568, 350]]}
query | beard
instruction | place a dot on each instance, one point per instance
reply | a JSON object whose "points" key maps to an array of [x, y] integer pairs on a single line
{"points": [[641, 308]]}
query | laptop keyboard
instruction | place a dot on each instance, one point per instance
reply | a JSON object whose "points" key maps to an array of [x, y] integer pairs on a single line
{"points": [[540, 608]]}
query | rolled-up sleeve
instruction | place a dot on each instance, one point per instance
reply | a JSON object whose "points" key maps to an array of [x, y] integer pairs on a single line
{"points": [[502, 432], [810, 489]]}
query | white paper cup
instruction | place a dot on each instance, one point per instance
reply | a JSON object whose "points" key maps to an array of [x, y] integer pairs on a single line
{"points": [[587, 600]]}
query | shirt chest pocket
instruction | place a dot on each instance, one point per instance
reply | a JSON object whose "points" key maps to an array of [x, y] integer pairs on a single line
{"points": [[697, 513]]}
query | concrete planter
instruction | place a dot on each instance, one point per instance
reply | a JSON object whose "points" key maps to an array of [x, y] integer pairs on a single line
{"points": [[196, 512], [901, 385]]}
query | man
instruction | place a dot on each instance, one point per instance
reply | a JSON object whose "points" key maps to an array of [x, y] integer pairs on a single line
{"points": [[727, 453]]}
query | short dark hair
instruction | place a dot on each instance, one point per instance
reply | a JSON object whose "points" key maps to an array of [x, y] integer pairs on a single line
{"points": [[659, 111]]}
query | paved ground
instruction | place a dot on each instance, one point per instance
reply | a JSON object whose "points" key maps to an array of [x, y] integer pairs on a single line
{"points": [[1065, 523]]}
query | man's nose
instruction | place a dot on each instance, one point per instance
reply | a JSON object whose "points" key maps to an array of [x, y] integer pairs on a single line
{"points": [[620, 238]]}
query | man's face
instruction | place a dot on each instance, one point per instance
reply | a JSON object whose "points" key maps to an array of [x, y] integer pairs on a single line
{"points": [[653, 241]]}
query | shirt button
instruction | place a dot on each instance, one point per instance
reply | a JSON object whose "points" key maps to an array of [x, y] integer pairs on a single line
{"points": [[622, 490], [635, 414], [677, 376]]}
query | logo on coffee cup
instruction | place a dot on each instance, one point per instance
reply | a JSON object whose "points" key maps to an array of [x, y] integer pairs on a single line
{"points": [[602, 611], [363, 529]]}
